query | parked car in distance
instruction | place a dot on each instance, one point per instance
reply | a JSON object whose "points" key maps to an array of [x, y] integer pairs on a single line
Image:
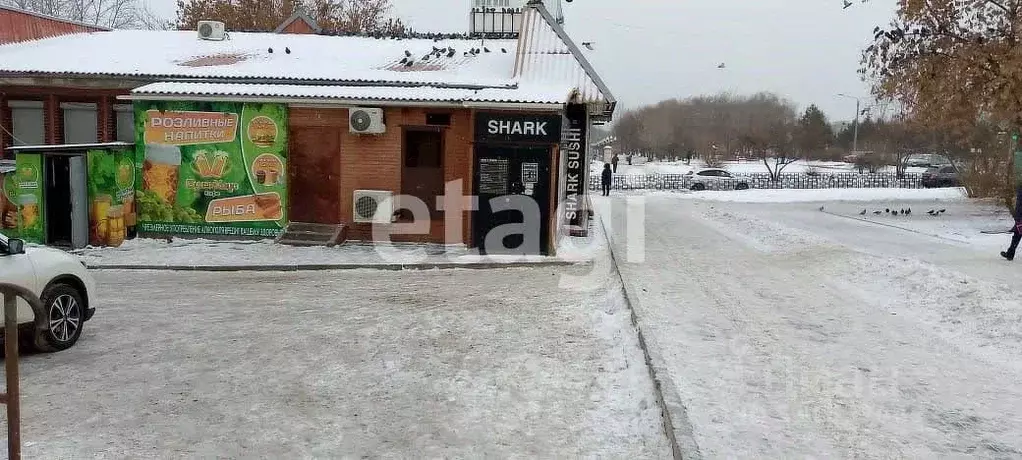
{"points": [[715, 178], [926, 160], [62, 283], [940, 176]]}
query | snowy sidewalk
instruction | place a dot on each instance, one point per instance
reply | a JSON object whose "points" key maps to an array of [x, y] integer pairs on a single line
{"points": [[355, 364], [789, 332], [265, 255]]}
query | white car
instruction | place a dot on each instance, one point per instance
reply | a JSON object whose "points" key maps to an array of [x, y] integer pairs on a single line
{"points": [[63, 284], [715, 179]]}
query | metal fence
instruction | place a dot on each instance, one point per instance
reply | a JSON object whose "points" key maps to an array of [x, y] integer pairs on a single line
{"points": [[763, 181]]}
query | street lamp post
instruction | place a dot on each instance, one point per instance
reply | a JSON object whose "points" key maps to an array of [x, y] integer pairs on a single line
{"points": [[855, 124]]}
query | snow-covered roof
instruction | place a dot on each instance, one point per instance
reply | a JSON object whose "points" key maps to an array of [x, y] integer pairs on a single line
{"points": [[294, 57], [532, 94], [548, 68], [549, 54]]}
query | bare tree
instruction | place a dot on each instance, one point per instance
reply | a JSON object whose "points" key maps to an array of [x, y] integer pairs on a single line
{"points": [[114, 14], [769, 129]]}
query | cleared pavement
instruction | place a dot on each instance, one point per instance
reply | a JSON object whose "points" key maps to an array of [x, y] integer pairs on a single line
{"points": [[792, 333], [362, 363]]}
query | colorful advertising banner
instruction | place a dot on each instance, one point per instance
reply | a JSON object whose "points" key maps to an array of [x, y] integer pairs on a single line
{"points": [[111, 182], [24, 190], [211, 168], [8, 205]]}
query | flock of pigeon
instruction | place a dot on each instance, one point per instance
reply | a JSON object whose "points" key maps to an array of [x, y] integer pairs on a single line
{"points": [[903, 212], [409, 61]]}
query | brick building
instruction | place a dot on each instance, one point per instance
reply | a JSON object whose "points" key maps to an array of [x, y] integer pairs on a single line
{"points": [[348, 121]]}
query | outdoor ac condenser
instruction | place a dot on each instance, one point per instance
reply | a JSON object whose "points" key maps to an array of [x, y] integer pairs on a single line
{"points": [[373, 206], [212, 30], [363, 120]]}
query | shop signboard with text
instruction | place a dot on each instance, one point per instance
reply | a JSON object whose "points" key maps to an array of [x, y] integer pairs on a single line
{"points": [[211, 168], [517, 128]]}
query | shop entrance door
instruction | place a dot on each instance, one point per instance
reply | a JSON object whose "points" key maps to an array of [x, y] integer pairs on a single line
{"points": [[513, 186], [67, 218], [314, 172]]}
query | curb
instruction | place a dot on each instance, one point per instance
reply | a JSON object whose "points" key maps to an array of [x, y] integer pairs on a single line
{"points": [[327, 267], [679, 431]]}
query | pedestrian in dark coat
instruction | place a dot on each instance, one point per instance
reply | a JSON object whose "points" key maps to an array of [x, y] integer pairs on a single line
{"points": [[1016, 232], [606, 179], [614, 161]]}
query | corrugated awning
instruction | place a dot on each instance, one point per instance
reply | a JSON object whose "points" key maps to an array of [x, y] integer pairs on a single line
{"points": [[69, 148], [539, 97]]}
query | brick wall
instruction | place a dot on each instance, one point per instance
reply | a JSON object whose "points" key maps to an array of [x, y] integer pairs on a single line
{"points": [[53, 115], [5, 127], [375, 162], [53, 120], [106, 126]]}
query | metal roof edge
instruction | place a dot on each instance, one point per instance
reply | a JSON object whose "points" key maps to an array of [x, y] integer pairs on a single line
{"points": [[69, 147], [352, 102], [575, 51]]}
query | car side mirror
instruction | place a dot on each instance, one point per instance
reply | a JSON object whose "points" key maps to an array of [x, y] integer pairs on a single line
{"points": [[15, 246]]}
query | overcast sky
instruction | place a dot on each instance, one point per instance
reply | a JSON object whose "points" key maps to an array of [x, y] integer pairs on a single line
{"points": [[649, 50]]}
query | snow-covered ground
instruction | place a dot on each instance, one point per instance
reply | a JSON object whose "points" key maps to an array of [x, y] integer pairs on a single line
{"points": [[812, 195], [791, 332], [207, 253], [354, 364], [737, 167]]}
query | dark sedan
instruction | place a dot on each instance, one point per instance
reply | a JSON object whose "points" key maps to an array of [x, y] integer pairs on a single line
{"points": [[941, 176]]}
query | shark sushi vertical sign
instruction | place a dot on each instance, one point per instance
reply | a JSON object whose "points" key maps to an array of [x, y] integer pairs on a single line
{"points": [[573, 148], [211, 168]]}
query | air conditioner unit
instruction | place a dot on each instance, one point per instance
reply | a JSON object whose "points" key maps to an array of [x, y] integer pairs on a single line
{"points": [[374, 206], [212, 30], [366, 121]]}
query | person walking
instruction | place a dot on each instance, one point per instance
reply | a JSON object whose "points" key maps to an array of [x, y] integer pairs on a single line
{"points": [[614, 161], [606, 179], [1016, 232]]}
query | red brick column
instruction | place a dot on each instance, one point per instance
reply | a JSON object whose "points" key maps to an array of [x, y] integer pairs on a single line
{"points": [[6, 126], [107, 119], [53, 120]]}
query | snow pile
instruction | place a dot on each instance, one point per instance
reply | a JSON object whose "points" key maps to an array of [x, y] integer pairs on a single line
{"points": [[210, 253]]}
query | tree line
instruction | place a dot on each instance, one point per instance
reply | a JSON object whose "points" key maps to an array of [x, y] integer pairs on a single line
{"points": [[338, 16], [769, 128]]}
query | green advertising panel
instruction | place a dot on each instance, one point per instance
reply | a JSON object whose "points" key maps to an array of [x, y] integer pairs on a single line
{"points": [[8, 204], [26, 193], [211, 168], [111, 182]]}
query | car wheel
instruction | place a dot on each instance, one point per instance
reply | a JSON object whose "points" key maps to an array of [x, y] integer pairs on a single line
{"points": [[698, 187], [742, 186], [65, 314]]}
